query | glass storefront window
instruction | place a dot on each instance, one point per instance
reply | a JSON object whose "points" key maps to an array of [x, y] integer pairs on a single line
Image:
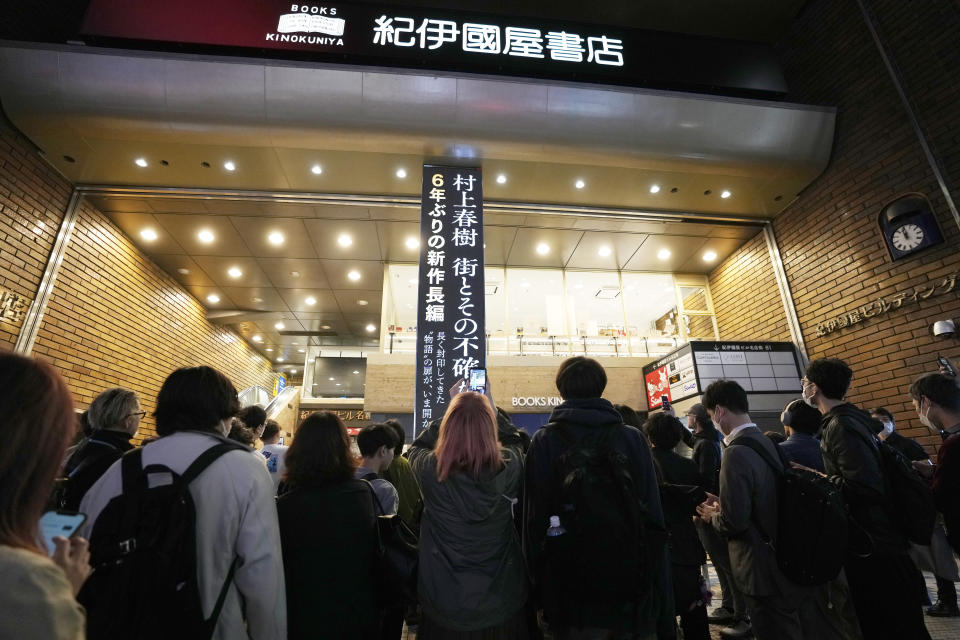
{"points": [[594, 304], [694, 298]]}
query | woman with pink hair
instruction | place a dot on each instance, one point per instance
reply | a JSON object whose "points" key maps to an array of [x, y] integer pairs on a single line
{"points": [[472, 582]]}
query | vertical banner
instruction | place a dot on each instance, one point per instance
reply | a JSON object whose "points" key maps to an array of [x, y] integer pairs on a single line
{"points": [[451, 323]]}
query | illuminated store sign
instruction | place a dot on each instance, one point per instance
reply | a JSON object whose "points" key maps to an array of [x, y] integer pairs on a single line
{"points": [[441, 39], [451, 335]]}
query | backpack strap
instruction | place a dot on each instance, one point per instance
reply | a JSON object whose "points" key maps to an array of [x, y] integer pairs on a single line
{"points": [[207, 458], [210, 624], [778, 471], [377, 507]]}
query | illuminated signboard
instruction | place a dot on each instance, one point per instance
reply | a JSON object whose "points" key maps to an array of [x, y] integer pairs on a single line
{"points": [[451, 336], [439, 39]]}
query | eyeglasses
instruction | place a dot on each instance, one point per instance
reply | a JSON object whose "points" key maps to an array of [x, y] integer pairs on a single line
{"points": [[142, 414]]}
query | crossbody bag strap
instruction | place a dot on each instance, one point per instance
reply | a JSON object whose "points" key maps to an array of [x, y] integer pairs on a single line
{"points": [[378, 508], [210, 623]]}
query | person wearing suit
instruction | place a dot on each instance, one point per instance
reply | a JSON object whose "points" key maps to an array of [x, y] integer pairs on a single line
{"points": [[748, 495]]}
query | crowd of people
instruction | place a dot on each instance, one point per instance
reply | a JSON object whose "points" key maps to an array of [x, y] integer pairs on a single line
{"points": [[596, 528]]}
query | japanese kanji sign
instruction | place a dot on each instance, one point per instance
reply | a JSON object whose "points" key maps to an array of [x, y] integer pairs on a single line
{"points": [[451, 336]]}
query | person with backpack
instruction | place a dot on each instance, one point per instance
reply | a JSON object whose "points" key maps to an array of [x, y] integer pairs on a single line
{"points": [[877, 566], [37, 599], [114, 419], [746, 514], [183, 532], [602, 569], [400, 474], [328, 532], [472, 579]]}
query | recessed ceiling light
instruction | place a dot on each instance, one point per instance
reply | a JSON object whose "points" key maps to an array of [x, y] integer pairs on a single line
{"points": [[293, 370], [663, 254], [354, 275], [725, 194], [311, 300], [183, 271], [229, 165], [501, 179], [325, 327], [258, 338], [301, 350], [213, 298], [280, 359], [279, 326], [257, 300], [316, 169], [275, 238], [332, 379], [543, 248], [206, 236], [344, 240], [356, 372], [579, 184], [269, 349], [234, 272], [140, 162], [710, 256], [362, 303], [654, 188], [338, 384], [401, 173], [412, 243], [149, 235], [605, 251], [371, 328]]}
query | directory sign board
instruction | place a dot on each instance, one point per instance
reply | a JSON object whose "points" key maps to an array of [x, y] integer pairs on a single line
{"points": [[443, 38], [451, 327], [758, 367]]}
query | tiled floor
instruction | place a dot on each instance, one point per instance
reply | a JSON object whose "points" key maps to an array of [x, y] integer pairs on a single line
{"points": [[940, 628]]}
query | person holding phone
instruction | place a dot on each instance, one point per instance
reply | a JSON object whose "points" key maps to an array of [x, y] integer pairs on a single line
{"points": [[38, 595]]}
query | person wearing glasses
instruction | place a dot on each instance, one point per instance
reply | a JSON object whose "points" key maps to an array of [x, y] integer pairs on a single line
{"points": [[114, 418]]}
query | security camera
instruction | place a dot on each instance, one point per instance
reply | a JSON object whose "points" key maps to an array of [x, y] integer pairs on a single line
{"points": [[944, 328]]}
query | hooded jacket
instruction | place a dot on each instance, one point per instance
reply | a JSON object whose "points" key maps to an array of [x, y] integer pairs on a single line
{"points": [[707, 453], [471, 573]]}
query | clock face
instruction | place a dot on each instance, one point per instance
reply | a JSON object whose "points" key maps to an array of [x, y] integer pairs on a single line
{"points": [[907, 237]]}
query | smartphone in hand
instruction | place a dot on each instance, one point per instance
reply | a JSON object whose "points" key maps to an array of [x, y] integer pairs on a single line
{"points": [[945, 366], [59, 523]]}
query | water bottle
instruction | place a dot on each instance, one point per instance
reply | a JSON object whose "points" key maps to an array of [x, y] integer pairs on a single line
{"points": [[555, 529]]}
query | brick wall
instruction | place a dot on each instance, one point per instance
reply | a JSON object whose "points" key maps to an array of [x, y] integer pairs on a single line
{"points": [[833, 252], [33, 198], [114, 317], [746, 300]]}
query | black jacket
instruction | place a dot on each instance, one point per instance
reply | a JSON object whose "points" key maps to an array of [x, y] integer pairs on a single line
{"points": [[328, 538], [851, 458], [542, 486], [90, 461], [907, 446], [681, 489], [707, 453]]}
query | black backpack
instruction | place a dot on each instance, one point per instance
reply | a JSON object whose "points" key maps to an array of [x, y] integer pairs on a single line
{"points": [[604, 555], [812, 525], [911, 505], [143, 550]]}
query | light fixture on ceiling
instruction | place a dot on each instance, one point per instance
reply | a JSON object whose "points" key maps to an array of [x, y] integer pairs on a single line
{"points": [[316, 169], [258, 338], [280, 359], [279, 326], [354, 275], [362, 303], [270, 349], [293, 370], [183, 271], [338, 384], [206, 236], [344, 240], [310, 300], [501, 179], [401, 173], [371, 328], [229, 165], [257, 300], [725, 194], [709, 256], [412, 243], [604, 251], [356, 372], [332, 379], [234, 272], [149, 235], [140, 162], [543, 248], [301, 350], [275, 238], [325, 327], [579, 184], [654, 188], [663, 254], [213, 298]]}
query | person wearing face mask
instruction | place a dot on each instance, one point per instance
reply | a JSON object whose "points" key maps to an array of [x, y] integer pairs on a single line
{"points": [[909, 447], [878, 568]]}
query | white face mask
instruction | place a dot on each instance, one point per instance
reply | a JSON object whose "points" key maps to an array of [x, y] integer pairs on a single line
{"points": [[925, 419], [808, 399], [887, 429]]}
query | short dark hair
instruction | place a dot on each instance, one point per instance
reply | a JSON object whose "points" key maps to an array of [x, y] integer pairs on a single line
{"points": [[252, 416], [800, 416], [580, 377], [320, 453], [728, 394], [941, 389], [630, 417], [271, 430], [663, 430], [831, 375], [882, 411], [195, 398], [374, 436], [400, 432]]}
